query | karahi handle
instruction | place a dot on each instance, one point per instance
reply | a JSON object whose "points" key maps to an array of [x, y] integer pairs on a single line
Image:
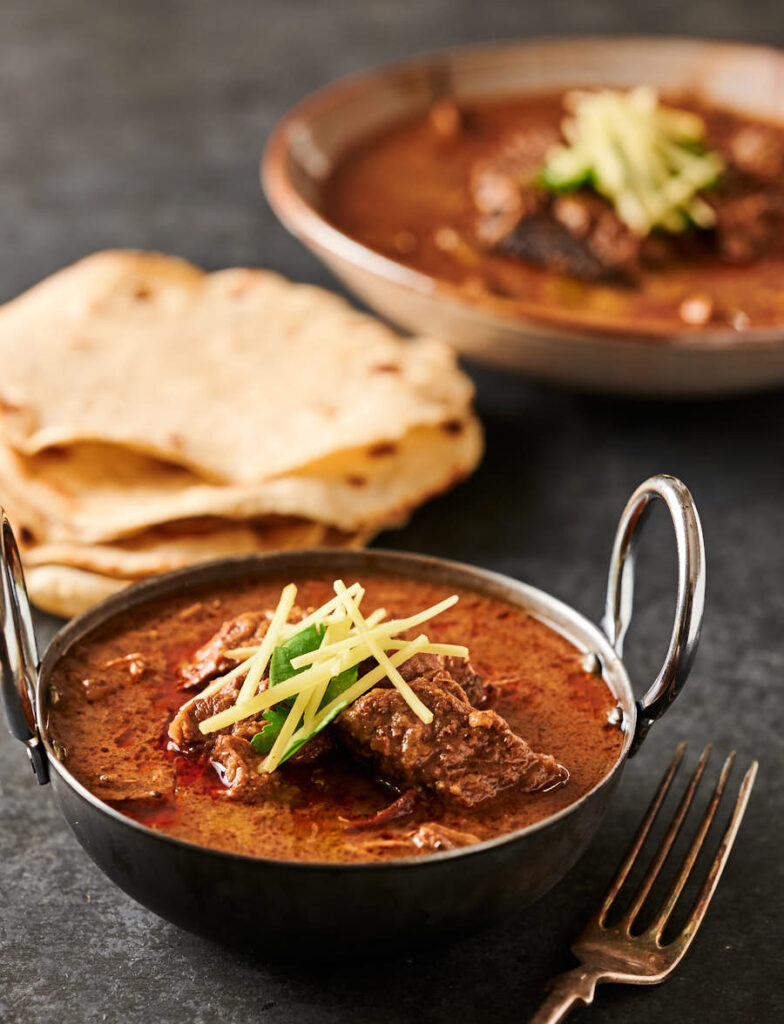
{"points": [[690, 601], [18, 652]]}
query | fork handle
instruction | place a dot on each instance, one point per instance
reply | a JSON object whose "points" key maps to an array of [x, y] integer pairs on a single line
{"points": [[566, 991]]}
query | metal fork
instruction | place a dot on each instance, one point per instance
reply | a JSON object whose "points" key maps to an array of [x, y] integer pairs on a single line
{"points": [[610, 952]]}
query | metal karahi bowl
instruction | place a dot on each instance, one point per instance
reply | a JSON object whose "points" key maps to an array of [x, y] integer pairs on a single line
{"points": [[316, 908]]}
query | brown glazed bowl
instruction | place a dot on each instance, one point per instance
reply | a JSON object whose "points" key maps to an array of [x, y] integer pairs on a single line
{"points": [[558, 344], [315, 908]]}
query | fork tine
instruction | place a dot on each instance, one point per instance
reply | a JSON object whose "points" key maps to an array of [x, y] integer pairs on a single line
{"points": [[669, 838], [719, 861], [642, 832], [660, 921]]}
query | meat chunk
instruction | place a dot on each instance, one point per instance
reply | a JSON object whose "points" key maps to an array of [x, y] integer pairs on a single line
{"points": [[590, 220], [185, 734], [209, 660], [503, 188], [460, 669], [757, 150], [501, 183], [248, 727], [312, 751], [237, 764], [577, 234], [465, 755], [749, 224], [184, 729]]}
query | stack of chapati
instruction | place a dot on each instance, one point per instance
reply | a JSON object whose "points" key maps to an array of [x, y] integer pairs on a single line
{"points": [[153, 415]]}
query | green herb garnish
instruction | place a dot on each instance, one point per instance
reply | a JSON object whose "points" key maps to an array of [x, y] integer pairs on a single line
{"points": [[281, 669], [274, 718], [301, 643]]}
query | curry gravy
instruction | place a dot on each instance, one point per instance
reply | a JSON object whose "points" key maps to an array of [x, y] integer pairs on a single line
{"points": [[396, 191], [109, 721]]}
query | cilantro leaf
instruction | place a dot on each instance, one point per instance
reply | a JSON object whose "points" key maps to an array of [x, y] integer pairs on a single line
{"points": [[274, 718], [304, 642], [339, 684], [281, 669], [293, 748]]}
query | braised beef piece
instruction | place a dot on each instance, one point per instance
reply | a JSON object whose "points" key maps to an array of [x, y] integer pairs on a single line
{"points": [[237, 764], [465, 755], [576, 234], [312, 751], [542, 240], [501, 184], [209, 661], [184, 729], [757, 150], [749, 204], [185, 733], [460, 669], [750, 222]]}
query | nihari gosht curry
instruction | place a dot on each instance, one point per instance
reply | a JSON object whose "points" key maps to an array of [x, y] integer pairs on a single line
{"points": [[605, 208], [320, 722]]}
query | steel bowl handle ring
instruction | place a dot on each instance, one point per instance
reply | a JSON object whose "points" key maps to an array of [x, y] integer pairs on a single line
{"points": [[690, 601], [18, 652]]}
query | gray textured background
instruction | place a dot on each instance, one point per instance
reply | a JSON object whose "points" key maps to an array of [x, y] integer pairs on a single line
{"points": [[140, 124]]}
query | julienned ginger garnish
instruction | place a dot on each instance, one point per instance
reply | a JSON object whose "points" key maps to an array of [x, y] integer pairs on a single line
{"points": [[311, 668]]}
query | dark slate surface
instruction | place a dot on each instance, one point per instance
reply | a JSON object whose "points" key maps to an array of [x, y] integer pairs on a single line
{"points": [[140, 124]]}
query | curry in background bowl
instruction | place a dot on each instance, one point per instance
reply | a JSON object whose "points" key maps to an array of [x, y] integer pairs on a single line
{"points": [[661, 214], [601, 212]]}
